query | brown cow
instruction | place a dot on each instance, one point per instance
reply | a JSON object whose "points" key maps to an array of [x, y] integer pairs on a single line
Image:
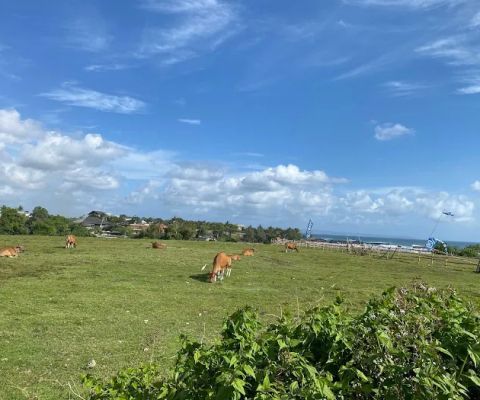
{"points": [[235, 257], [158, 245], [222, 265], [291, 246], [71, 241], [248, 252], [11, 251]]}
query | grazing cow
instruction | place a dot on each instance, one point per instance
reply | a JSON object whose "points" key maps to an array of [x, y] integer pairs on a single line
{"points": [[11, 251], [235, 257], [248, 252], [291, 246], [158, 245], [71, 241], [222, 265]]}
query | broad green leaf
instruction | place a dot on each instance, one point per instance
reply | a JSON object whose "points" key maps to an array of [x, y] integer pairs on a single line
{"points": [[238, 384], [249, 371], [445, 351]]}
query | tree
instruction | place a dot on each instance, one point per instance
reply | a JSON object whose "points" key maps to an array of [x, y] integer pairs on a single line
{"points": [[260, 235], [12, 222], [249, 234], [187, 232], [39, 213], [293, 234]]}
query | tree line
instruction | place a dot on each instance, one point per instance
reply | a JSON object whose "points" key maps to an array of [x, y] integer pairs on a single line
{"points": [[13, 221], [180, 229], [472, 250]]}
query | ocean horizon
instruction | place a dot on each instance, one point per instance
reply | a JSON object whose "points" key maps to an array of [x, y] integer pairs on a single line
{"points": [[385, 239]]}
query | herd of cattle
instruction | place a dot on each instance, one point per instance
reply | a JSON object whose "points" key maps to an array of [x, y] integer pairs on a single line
{"points": [[221, 267]]}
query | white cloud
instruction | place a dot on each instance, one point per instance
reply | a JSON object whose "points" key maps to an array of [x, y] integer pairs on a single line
{"points": [[90, 178], [21, 177], [475, 21], [249, 154], [76, 96], [73, 174], [476, 186], [198, 26], [56, 151], [472, 80], [403, 88], [389, 131], [15, 130], [150, 190], [456, 50], [472, 89], [460, 52], [190, 121], [419, 4], [401, 202], [273, 192], [34, 159], [88, 34], [106, 67]]}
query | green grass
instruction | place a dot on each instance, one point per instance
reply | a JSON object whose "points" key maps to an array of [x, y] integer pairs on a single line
{"points": [[123, 304]]}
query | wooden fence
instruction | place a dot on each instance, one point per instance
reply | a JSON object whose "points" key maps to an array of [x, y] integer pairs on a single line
{"points": [[364, 249]]}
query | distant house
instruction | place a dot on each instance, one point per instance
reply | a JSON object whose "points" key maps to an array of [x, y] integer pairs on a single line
{"points": [[96, 219], [139, 227], [162, 227]]}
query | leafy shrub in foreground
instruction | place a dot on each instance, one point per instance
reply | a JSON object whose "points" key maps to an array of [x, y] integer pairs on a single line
{"points": [[415, 343]]}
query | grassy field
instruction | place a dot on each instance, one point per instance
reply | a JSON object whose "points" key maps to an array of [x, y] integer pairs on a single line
{"points": [[122, 303]]}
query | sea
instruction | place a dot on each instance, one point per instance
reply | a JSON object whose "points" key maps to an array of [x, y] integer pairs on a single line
{"points": [[383, 239]]}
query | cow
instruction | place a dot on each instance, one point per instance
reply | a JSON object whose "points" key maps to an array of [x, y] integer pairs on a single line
{"points": [[248, 252], [71, 241], [158, 245], [291, 246], [235, 257], [11, 251], [222, 265]]}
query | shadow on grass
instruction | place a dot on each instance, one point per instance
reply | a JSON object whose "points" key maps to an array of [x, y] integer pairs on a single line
{"points": [[200, 277]]}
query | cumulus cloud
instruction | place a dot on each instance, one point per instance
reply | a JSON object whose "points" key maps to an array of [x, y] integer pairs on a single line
{"points": [[15, 130], [34, 159], [389, 131], [76, 173], [272, 191], [396, 202], [57, 151], [476, 186], [75, 96]]}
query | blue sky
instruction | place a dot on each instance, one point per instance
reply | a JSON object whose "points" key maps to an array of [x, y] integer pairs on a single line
{"points": [[360, 114]]}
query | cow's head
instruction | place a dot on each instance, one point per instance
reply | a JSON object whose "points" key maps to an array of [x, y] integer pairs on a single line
{"points": [[212, 277]]}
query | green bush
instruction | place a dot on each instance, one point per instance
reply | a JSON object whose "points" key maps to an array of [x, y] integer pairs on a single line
{"points": [[416, 343]]}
